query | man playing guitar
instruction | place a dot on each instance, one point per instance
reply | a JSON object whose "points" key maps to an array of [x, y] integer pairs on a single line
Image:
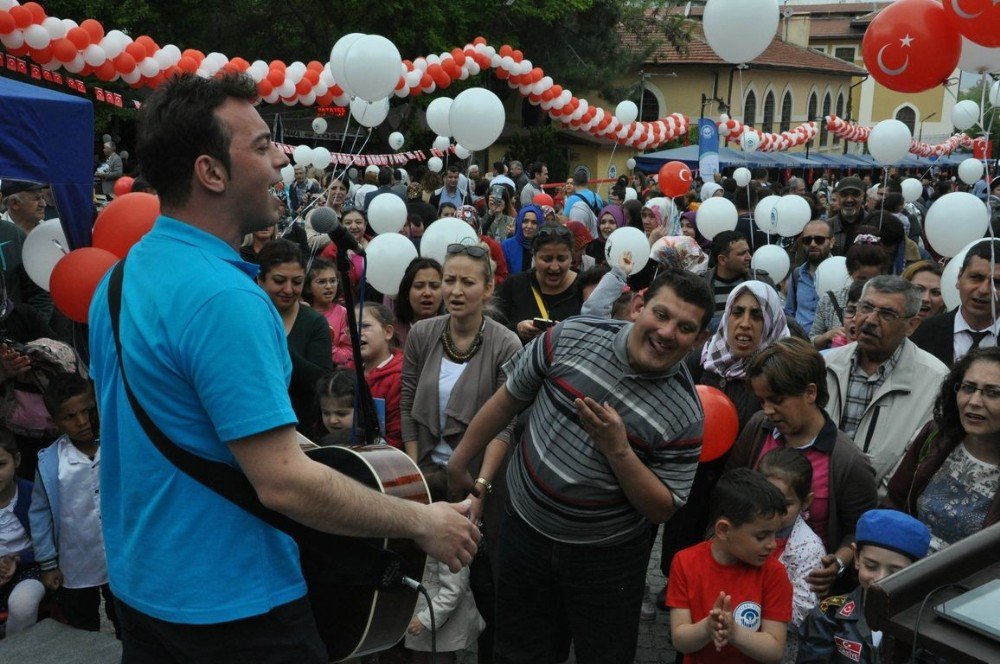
{"points": [[197, 578]]}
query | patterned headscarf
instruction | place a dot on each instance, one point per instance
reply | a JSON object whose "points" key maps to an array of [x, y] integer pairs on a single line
{"points": [[716, 355], [679, 252]]}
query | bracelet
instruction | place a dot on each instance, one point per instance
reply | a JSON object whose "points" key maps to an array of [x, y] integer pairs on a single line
{"points": [[487, 485]]}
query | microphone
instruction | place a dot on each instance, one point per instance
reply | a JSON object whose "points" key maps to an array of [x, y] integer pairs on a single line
{"points": [[324, 220]]}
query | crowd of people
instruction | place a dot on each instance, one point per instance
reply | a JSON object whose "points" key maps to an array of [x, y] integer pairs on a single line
{"points": [[552, 391]]}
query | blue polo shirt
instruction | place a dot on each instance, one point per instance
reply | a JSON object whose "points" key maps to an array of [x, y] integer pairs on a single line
{"points": [[206, 355]]}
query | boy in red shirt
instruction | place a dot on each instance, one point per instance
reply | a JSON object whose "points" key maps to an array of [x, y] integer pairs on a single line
{"points": [[729, 598]]}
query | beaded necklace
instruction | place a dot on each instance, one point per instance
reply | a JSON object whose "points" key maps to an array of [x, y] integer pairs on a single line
{"points": [[452, 351]]}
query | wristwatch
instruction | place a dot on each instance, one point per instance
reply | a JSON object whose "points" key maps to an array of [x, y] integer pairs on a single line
{"points": [[486, 484], [841, 565]]}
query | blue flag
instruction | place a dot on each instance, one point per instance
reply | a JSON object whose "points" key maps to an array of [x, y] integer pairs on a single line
{"points": [[708, 148]]}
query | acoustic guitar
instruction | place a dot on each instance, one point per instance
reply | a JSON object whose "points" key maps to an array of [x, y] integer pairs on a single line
{"points": [[355, 618]]}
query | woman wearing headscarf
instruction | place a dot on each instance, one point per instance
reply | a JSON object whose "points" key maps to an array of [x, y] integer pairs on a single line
{"points": [[752, 320], [611, 218], [517, 249]]}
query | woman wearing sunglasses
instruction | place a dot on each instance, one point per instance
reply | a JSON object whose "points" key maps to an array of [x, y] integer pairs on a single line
{"points": [[949, 476], [534, 300]]}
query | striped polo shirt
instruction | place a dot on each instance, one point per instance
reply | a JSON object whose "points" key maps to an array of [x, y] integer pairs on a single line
{"points": [[559, 482]]}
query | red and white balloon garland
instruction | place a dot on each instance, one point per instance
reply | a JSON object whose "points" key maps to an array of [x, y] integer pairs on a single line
{"points": [[732, 130], [86, 49], [849, 131]]}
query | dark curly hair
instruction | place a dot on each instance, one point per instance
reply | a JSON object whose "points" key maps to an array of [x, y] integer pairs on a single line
{"points": [[946, 415]]}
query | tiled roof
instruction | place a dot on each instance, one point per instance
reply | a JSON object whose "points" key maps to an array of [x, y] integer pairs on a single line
{"points": [[779, 55], [833, 28]]}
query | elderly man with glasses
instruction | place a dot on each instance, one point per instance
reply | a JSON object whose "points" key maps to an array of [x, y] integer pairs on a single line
{"points": [[882, 386]]}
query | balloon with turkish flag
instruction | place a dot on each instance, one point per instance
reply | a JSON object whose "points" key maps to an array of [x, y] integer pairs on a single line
{"points": [[910, 46], [75, 278], [125, 220], [674, 179], [722, 423], [976, 20]]}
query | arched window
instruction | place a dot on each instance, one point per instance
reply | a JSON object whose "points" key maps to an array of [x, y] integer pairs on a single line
{"points": [[812, 108], [840, 114], [824, 133], [767, 125], [786, 111], [908, 116], [750, 109], [650, 106]]}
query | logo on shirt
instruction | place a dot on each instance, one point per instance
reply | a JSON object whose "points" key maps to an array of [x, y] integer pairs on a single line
{"points": [[848, 609], [849, 649], [747, 615]]}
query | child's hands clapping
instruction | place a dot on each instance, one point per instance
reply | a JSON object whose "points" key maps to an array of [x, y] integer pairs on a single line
{"points": [[720, 621]]}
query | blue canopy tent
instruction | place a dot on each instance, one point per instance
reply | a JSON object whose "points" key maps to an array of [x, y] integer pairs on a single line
{"points": [[48, 137], [651, 162]]}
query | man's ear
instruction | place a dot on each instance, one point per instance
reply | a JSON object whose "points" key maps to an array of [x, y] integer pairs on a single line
{"points": [[211, 174]]}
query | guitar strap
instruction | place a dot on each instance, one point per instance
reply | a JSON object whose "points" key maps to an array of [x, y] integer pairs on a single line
{"points": [[379, 567]]}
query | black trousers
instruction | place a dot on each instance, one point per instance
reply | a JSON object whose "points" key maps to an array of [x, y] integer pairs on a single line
{"points": [[285, 635], [82, 607]]}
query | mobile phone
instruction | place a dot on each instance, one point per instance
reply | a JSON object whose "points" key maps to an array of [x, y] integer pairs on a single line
{"points": [[543, 323]]}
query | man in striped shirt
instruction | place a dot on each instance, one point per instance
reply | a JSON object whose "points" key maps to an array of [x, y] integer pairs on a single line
{"points": [[610, 449]]}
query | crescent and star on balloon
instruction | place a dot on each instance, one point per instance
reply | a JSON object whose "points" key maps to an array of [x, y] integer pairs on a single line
{"points": [[905, 42]]}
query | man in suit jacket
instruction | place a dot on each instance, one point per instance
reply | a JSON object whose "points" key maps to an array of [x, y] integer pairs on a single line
{"points": [[950, 336]]}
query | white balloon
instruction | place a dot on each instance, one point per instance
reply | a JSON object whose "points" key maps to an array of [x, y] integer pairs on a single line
{"points": [[625, 239], [434, 165], [319, 125], [995, 94], [441, 143], [764, 215], [94, 55], [396, 140], [631, 194], [461, 152], [149, 67], [792, 213], [476, 118], [437, 116], [955, 220], [36, 36], [912, 189], [369, 114], [965, 114], [742, 176], [302, 154], [773, 260], [387, 214], [977, 58], [55, 27], [15, 39], [626, 112], [372, 67], [337, 56], [42, 250], [630, 164], [970, 171], [320, 158], [832, 275], [889, 142], [749, 141], [740, 30], [288, 174], [435, 240], [715, 216], [388, 257]]}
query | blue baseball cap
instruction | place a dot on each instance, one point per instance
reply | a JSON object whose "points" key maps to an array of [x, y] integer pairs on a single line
{"points": [[893, 530]]}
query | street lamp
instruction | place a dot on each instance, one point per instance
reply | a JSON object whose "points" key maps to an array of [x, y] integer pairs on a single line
{"points": [[920, 135], [706, 100]]}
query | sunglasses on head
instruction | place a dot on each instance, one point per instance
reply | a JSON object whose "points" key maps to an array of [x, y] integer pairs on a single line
{"points": [[472, 250], [814, 239], [558, 231]]}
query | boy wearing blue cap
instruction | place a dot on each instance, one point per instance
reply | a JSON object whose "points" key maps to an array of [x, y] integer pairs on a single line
{"points": [[886, 541]]}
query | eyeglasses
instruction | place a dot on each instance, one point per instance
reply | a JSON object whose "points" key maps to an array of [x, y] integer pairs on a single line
{"points": [[472, 250], [849, 311], [558, 231], [885, 315], [814, 239], [990, 392]]}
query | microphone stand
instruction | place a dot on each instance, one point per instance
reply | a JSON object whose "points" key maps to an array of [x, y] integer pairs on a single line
{"points": [[364, 406]]}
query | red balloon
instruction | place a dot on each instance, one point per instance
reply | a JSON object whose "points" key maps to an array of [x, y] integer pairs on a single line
{"points": [[37, 12], [75, 278], [94, 29], [123, 185], [21, 15], [124, 221], [63, 50], [675, 179], [7, 24], [909, 47], [722, 424], [977, 20]]}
